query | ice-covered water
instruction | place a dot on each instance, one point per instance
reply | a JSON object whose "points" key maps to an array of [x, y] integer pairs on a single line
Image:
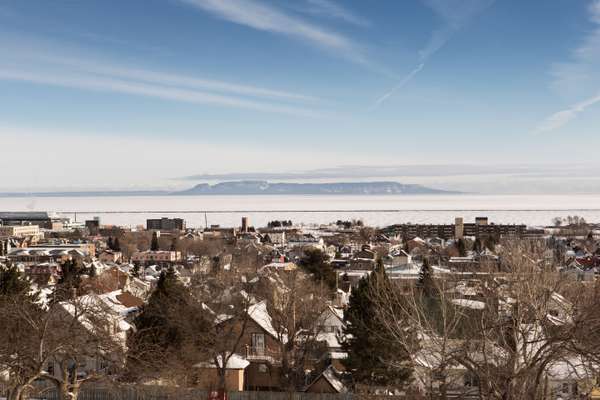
{"points": [[373, 210]]}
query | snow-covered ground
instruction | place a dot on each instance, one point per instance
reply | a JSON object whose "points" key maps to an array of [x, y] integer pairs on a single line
{"points": [[373, 210]]}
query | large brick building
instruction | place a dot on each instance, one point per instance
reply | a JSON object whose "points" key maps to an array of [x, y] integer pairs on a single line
{"points": [[481, 228], [165, 224]]}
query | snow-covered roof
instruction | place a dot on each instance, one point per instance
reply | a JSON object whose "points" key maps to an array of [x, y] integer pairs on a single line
{"points": [[572, 368], [338, 312], [331, 376], [258, 312], [338, 355], [331, 338], [472, 304], [233, 362]]}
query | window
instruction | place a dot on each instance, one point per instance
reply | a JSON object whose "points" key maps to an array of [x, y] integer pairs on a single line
{"points": [[471, 380], [262, 368], [258, 343]]}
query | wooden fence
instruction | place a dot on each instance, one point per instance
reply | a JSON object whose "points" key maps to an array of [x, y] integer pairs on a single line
{"points": [[44, 392]]}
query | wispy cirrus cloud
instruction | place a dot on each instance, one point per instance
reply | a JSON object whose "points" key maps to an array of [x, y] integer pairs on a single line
{"points": [[455, 14], [331, 9], [102, 84], [577, 78], [263, 17], [169, 79], [43, 64]]}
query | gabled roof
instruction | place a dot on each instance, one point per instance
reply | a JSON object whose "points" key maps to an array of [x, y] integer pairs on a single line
{"points": [[331, 376], [259, 314]]}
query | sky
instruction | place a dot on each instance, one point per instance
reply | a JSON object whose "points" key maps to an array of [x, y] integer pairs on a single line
{"points": [[140, 93]]}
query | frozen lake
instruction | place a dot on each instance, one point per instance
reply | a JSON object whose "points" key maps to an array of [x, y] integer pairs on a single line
{"points": [[373, 210]]}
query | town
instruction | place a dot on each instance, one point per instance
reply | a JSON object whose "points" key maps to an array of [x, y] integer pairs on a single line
{"points": [[469, 310]]}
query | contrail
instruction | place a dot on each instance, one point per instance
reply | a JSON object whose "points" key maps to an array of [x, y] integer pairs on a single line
{"points": [[399, 86], [561, 118]]}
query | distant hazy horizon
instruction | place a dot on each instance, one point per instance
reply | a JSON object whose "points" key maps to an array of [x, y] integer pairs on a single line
{"points": [[536, 210], [482, 179], [98, 95]]}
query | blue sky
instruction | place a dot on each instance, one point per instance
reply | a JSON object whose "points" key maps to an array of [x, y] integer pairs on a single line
{"points": [[137, 92]]}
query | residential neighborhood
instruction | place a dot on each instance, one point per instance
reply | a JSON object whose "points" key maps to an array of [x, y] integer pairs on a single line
{"points": [[479, 311]]}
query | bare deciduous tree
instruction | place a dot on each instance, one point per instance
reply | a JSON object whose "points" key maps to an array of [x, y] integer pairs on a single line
{"points": [[504, 330], [295, 303]]}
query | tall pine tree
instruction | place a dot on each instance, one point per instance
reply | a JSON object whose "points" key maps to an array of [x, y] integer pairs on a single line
{"points": [[69, 283], [478, 246], [374, 355], [12, 282], [462, 248], [425, 282], [167, 333], [116, 245], [154, 244]]}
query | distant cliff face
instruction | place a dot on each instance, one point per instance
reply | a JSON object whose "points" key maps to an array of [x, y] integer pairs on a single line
{"points": [[264, 187]]}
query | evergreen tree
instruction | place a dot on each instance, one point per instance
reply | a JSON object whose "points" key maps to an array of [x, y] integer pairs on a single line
{"points": [[116, 245], [154, 244], [490, 243], [136, 270], [374, 355], [167, 329], [425, 282], [70, 280], [462, 248], [477, 246], [109, 243], [316, 262], [12, 282]]}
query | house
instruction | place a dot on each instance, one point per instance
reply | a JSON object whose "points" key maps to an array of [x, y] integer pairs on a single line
{"points": [[36, 255], [279, 266], [110, 256], [208, 375], [332, 320], [118, 308], [43, 274], [276, 239], [366, 253], [114, 278], [399, 257], [415, 243], [327, 382], [571, 378], [160, 257], [260, 346], [306, 240], [331, 332], [365, 264]]}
